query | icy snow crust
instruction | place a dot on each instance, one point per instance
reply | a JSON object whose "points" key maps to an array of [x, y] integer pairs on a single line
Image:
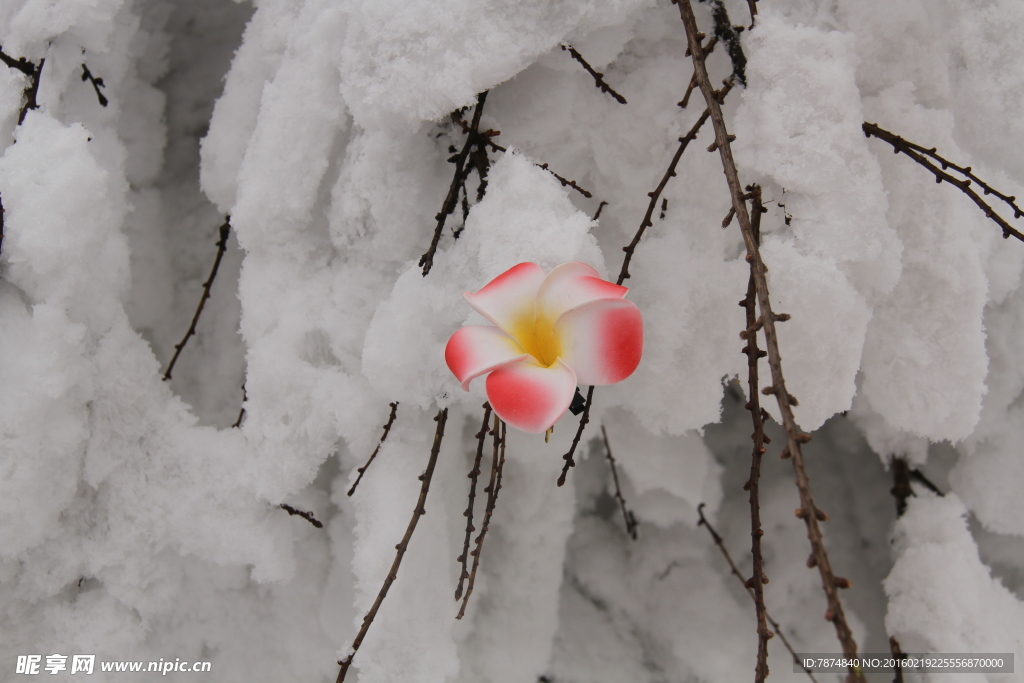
{"points": [[137, 524]]}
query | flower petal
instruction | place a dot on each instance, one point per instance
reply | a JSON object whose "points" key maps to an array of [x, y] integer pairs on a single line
{"points": [[529, 396], [508, 300], [571, 285], [476, 349], [601, 341]]}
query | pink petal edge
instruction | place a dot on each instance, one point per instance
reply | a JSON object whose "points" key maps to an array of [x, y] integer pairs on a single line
{"points": [[602, 341], [477, 349], [572, 285], [529, 396]]}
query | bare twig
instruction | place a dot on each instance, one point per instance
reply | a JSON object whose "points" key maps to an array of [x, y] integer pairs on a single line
{"points": [[97, 83], [473, 475], [600, 208], [920, 154], [752, 5], [387, 428], [222, 245], [487, 138], [241, 411], [669, 173], [458, 179], [708, 49], [757, 416], [627, 514], [584, 419], [901, 489], [898, 657], [794, 437], [33, 72], [1, 225], [308, 516], [598, 76], [419, 511], [750, 591], [493, 486], [918, 476]]}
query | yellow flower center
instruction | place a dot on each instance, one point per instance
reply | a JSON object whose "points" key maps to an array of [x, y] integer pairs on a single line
{"points": [[536, 334]]}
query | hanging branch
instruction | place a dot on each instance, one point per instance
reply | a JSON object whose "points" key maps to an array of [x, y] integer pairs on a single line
{"points": [[97, 83], [669, 173], [419, 511], [708, 49], [308, 516], [473, 475], [919, 154], [33, 72], [794, 437], [750, 591], [757, 416], [458, 180], [584, 419], [222, 246], [241, 411], [598, 76], [497, 464], [487, 138], [387, 428], [627, 514]]}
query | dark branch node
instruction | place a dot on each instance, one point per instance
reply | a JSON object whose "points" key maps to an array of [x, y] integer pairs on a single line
{"points": [[308, 516], [97, 83]]}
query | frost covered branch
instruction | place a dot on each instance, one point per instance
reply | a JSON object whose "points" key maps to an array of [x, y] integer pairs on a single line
{"points": [[222, 246], [757, 416], [387, 428], [584, 419], [493, 486], [458, 182], [33, 72], [746, 584], [419, 511], [794, 437], [598, 76], [97, 83], [669, 173], [308, 516], [473, 475], [627, 514], [918, 154]]}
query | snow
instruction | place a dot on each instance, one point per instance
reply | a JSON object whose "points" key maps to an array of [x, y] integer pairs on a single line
{"points": [[137, 523]]}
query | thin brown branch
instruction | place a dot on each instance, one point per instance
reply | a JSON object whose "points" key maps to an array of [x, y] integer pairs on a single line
{"points": [[584, 419], [757, 416], [387, 428], [33, 72], [901, 489], [493, 486], [451, 201], [752, 5], [708, 49], [669, 173], [597, 75], [308, 516], [898, 657], [1, 225], [600, 208], [222, 246], [750, 591], [487, 138], [627, 514], [97, 83], [919, 154], [473, 475], [419, 511], [241, 411], [794, 437]]}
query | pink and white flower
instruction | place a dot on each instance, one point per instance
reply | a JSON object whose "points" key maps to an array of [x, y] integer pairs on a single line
{"points": [[548, 334]]}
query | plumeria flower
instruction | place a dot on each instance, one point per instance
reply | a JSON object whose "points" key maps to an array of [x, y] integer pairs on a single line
{"points": [[548, 334]]}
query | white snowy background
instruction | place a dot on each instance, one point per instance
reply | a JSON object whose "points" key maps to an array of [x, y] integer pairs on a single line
{"points": [[136, 523]]}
